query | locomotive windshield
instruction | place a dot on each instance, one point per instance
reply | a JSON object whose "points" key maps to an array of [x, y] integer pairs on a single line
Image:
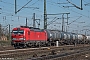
{"points": [[18, 31]]}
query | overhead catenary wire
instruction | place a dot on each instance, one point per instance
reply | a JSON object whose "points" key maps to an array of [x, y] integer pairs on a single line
{"points": [[49, 1], [86, 3], [81, 14], [22, 6], [55, 4], [75, 20], [76, 5], [16, 5], [8, 13], [12, 12]]}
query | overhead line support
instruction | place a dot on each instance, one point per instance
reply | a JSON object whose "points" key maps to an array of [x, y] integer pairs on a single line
{"points": [[45, 16]]}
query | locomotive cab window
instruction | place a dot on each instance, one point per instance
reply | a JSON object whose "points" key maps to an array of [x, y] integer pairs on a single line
{"points": [[18, 31]]}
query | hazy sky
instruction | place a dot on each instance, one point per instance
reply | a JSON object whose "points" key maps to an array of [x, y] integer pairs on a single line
{"points": [[78, 19]]}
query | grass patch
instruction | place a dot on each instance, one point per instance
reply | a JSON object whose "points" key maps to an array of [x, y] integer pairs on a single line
{"points": [[5, 43]]}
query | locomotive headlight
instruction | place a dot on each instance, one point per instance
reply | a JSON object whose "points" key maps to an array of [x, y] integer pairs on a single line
{"points": [[24, 39], [13, 38], [21, 38], [18, 39]]}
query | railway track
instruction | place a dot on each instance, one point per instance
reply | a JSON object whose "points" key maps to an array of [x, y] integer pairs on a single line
{"points": [[37, 52], [63, 56], [2, 48]]}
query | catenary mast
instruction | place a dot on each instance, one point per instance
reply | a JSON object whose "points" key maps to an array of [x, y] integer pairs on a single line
{"points": [[45, 15]]}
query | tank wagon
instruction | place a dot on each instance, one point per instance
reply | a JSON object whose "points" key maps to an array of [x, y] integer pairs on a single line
{"points": [[24, 36], [87, 39]]}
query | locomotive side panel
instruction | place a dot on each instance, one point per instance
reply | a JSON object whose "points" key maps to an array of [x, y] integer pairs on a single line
{"points": [[32, 35], [38, 35]]}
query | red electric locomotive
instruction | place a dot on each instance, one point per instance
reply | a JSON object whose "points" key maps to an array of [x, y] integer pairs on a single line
{"points": [[31, 37], [27, 36]]}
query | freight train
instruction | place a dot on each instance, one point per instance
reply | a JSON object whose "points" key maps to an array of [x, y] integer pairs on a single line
{"points": [[24, 36]]}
